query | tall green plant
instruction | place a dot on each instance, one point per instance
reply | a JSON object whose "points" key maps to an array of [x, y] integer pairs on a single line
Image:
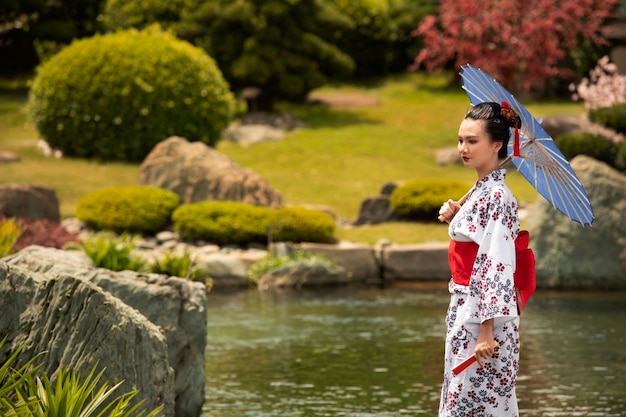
{"points": [[10, 381], [10, 232], [178, 265], [114, 253], [67, 396]]}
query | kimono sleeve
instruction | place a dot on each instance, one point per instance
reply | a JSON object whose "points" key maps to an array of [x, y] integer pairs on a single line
{"points": [[492, 286]]}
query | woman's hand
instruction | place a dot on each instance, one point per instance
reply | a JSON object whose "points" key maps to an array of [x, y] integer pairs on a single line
{"points": [[448, 210], [486, 344]]}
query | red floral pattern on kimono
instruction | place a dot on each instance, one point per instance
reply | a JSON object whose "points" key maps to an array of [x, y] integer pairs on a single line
{"points": [[489, 218]]}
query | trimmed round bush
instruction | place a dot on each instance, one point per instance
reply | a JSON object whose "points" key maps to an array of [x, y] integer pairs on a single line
{"points": [[421, 199], [613, 117], [134, 209], [594, 146], [296, 224], [230, 222], [223, 222], [115, 96]]}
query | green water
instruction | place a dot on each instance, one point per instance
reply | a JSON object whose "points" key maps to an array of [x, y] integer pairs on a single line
{"points": [[363, 352]]}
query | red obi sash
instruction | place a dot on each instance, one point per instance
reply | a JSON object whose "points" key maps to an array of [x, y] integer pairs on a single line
{"points": [[461, 256]]}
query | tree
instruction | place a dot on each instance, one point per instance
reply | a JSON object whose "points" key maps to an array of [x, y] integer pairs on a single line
{"points": [[520, 43], [29, 28], [275, 46]]}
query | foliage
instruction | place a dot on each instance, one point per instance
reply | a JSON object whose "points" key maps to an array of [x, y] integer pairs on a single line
{"points": [[421, 199], [613, 117], [133, 208], [10, 231], [223, 222], [115, 96], [25, 395], [230, 222], [277, 46], [24, 25], [518, 43], [12, 379], [620, 157], [594, 146], [271, 262], [605, 86], [379, 37], [178, 265], [45, 233], [114, 252], [125, 14], [296, 224]]}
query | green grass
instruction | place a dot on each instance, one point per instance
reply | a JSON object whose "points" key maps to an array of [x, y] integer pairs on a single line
{"points": [[341, 157]]}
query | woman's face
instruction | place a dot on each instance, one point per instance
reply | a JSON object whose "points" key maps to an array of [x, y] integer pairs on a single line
{"points": [[476, 148]]}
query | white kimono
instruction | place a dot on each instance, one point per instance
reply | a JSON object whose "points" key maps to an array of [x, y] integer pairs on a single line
{"points": [[489, 218]]}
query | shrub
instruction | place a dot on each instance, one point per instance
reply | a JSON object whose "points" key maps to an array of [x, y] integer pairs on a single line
{"points": [[114, 252], [137, 209], [175, 265], [295, 224], [620, 157], [229, 222], [43, 233], [24, 394], [10, 232], [604, 87], [594, 146], [223, 222], [115, 96], [613, 117], [421, 199]]}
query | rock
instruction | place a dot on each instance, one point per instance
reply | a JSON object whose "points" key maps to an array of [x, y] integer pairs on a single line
{"points": [[249, 134], [196, 172], [229, 269], [566, 124], [569, 255], [7, 156], [423, 261], [388, 188], [305, 273], [75, 324], [29, 201], [358, 259], [375, 210], [177, 306], [448, 156]]}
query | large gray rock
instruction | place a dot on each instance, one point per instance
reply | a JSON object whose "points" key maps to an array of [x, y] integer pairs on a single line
{"points": [[569, 255], [306, 273], [358, 259], [78, 325], [416, 262], [177, 306], [197, 172], [29, 201]]}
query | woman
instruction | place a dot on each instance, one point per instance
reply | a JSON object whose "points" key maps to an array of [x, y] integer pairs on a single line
{"points": [[482, 318]]}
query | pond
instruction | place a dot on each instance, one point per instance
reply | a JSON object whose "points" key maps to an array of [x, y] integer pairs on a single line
{"points": [[370, 351]]}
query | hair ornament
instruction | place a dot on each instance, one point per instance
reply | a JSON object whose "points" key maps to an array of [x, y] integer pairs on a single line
{"points": [[511, 115]]}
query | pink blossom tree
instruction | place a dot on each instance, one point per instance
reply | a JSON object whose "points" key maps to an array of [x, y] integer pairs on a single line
{"points": [[520, 43]]}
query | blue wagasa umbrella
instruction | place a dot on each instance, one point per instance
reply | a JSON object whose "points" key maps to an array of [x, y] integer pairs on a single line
{"points": [[535, 155]]}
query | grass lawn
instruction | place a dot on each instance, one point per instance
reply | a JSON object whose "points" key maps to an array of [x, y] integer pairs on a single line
{"points": [[341, 157]]}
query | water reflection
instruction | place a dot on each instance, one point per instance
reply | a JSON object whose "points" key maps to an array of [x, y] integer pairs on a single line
{"points": [[379, 352]]}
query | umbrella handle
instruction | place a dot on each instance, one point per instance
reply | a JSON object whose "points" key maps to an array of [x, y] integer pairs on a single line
{"points": [[467, 194], [461, 201]]}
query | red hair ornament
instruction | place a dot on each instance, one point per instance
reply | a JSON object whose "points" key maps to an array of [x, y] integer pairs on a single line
{"points": [[509, 114]]}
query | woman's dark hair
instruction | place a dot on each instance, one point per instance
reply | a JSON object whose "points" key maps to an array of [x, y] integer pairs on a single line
{"points": [[497, 125]]}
